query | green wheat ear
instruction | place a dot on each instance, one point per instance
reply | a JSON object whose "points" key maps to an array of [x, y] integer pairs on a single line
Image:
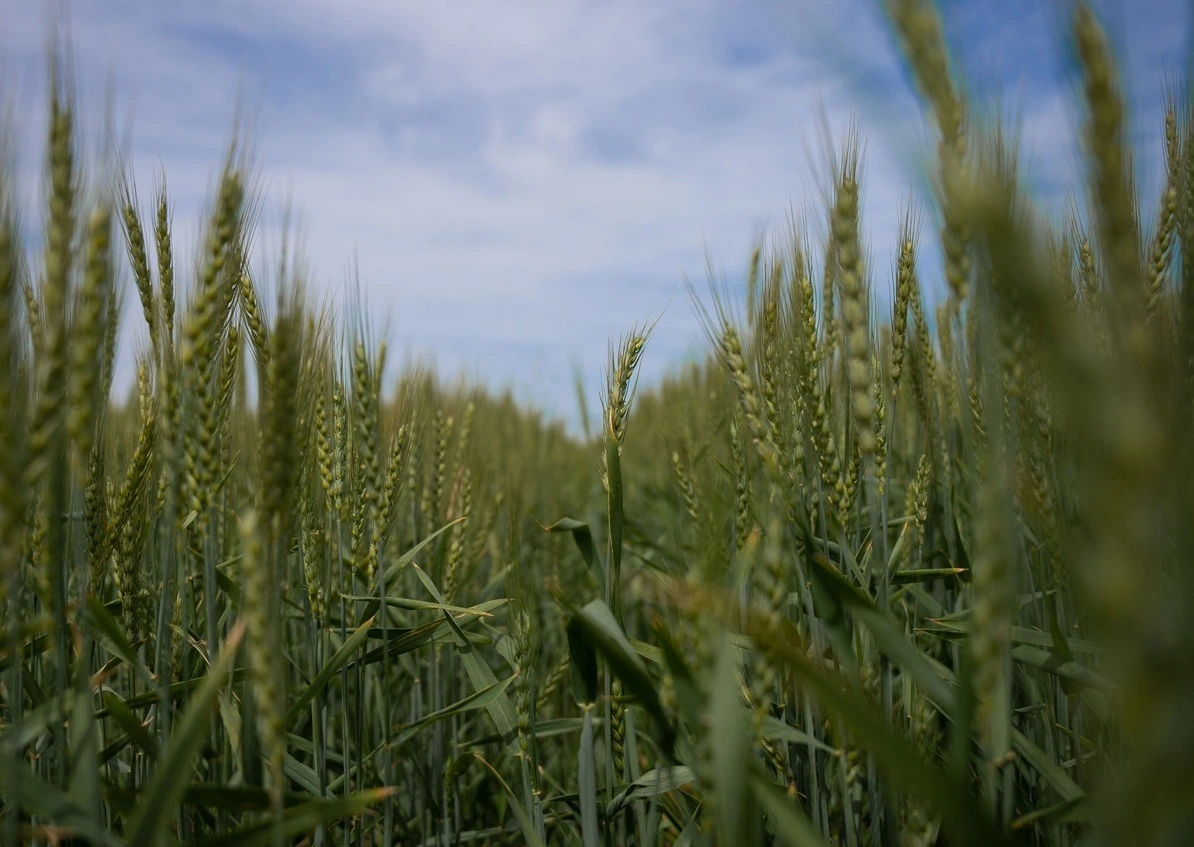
{"points": [[854, 301], [12, 379], [88, 332]]}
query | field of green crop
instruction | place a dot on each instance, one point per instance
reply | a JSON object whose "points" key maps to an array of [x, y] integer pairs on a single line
{"points": [[861, 577]]}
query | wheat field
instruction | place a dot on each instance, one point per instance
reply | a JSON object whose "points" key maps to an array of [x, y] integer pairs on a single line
{"points": [[917, 575]]}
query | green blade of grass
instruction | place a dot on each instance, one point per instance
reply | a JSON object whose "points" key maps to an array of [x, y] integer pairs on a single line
{"points": [[329, 670], [587, 783], [297, 820], [792, 827], [582, 535], [524, 822], [170, 781], [733, 807], [477, 700], [597, 623]]}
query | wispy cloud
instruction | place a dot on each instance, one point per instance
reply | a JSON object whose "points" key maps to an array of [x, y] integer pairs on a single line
{"points": [[517, 181]]}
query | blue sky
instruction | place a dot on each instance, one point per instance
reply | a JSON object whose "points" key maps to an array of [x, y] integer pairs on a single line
{"points": [[518, 181]]}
